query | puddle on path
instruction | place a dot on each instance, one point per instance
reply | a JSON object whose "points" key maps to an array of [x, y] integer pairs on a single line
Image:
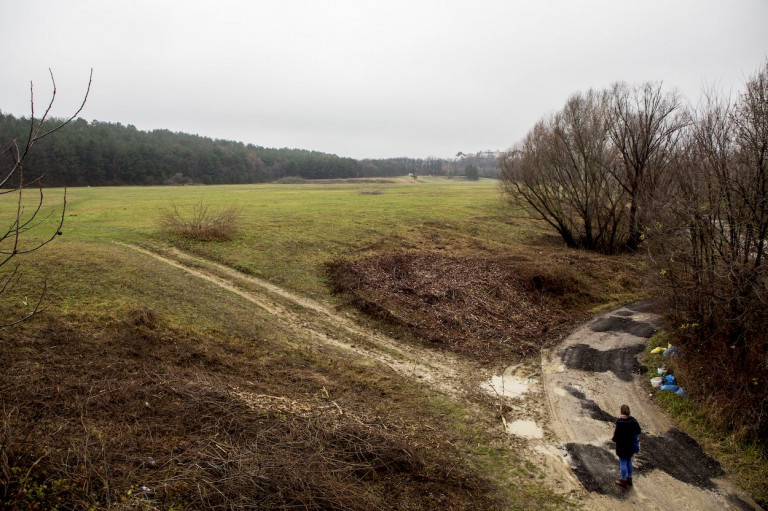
{"points": [[525, 428], [508, 384]]}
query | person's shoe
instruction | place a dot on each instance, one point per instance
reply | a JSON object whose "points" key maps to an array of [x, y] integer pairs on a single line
{"points": [[629, 481], [622, 483]]}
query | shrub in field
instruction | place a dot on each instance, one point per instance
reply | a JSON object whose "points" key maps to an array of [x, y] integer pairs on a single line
{"points": [[202, 222]]}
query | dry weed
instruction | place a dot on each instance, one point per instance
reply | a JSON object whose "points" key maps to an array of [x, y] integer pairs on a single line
{"points": [[202, 222]]}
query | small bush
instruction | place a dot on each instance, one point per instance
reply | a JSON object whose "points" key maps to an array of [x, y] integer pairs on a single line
{"points": [[202, 222]]}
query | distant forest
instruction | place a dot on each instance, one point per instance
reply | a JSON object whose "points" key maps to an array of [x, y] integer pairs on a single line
{"points": [[108, 154]]}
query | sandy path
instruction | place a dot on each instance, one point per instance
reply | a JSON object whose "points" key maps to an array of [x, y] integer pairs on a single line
{"points": [[586, 379]]}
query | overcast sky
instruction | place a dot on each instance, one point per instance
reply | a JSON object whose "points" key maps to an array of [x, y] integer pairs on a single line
{"points": [[364, 78]]}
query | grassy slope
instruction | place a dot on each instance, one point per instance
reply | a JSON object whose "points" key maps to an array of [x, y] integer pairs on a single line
{"points": [[101, 295]]}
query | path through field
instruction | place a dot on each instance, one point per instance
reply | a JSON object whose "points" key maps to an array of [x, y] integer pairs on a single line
{"points": [[562, 411], [316, 322], [586, 379]]}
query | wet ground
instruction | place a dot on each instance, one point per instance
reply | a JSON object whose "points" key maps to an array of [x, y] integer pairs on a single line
{"points": [[594, 371]]}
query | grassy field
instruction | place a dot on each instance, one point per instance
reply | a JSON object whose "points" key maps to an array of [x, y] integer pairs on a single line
{"points": [[129, 376], [288, 231]]}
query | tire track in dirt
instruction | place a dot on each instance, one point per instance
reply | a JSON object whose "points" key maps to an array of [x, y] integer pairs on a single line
{"points": [[586, 379], [320, 323]]}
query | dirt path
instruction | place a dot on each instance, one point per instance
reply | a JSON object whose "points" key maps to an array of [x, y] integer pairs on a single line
{"points": [[585, 380], [314, 322]]}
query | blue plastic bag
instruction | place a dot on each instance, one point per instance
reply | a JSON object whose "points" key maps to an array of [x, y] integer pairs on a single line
{"points": [[669, 379], [670, 388]]}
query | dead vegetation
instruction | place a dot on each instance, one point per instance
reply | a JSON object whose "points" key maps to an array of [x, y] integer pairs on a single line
{"points": [[485, 307], [136, 413], [202, 222]]}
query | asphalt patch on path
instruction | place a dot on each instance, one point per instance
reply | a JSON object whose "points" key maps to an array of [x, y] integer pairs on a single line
{"points": [[680, 456], [620, 361], [589, 406], [623, 324], [675, 453], [643, 306], [597, 468]]}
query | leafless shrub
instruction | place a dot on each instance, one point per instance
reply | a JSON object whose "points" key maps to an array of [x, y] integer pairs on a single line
{"points": [[486, 308], [27, 214], [710, 248], [202, 222]]}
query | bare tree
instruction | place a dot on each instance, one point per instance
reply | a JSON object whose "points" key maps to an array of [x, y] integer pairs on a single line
{"points": [[645, 126], [712, 250], [562, 173], [14, 187]]}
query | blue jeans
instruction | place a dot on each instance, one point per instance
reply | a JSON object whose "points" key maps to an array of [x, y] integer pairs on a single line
{"points": [[626, 468]]}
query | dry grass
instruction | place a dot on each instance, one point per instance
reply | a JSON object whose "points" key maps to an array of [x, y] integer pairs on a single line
{"points": [[486, 307], [202, 222], [140, 414]]}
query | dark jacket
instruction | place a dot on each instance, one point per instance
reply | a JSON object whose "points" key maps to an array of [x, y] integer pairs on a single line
{"points": [[624, 435]]}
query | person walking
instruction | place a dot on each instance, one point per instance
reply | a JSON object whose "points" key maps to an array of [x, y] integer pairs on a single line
{"points": [[626, 437]]}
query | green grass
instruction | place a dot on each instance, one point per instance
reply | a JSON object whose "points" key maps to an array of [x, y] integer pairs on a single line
{"points": [[288, 232]]}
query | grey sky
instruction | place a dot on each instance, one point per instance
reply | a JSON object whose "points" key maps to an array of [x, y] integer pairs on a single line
{"points": [[365, 78]]}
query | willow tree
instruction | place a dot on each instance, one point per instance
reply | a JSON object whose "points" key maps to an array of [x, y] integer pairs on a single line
{"points": [[563, 172], [646, 125]]}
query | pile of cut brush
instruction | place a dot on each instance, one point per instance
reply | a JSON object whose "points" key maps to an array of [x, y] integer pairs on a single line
{"points": [[479, 306]]}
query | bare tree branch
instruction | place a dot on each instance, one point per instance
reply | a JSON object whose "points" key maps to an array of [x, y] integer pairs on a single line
{"points": [[14, 185]]}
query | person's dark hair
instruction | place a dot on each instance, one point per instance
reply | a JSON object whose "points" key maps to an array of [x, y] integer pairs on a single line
{"points": [[625, 409]]}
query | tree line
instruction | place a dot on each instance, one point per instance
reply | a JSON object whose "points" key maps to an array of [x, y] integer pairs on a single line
{"points": [[634, 167], [109, 154]]}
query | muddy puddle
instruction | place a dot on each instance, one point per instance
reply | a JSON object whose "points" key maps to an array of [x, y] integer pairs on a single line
{"points": [[525, 428], [508, 384]]}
